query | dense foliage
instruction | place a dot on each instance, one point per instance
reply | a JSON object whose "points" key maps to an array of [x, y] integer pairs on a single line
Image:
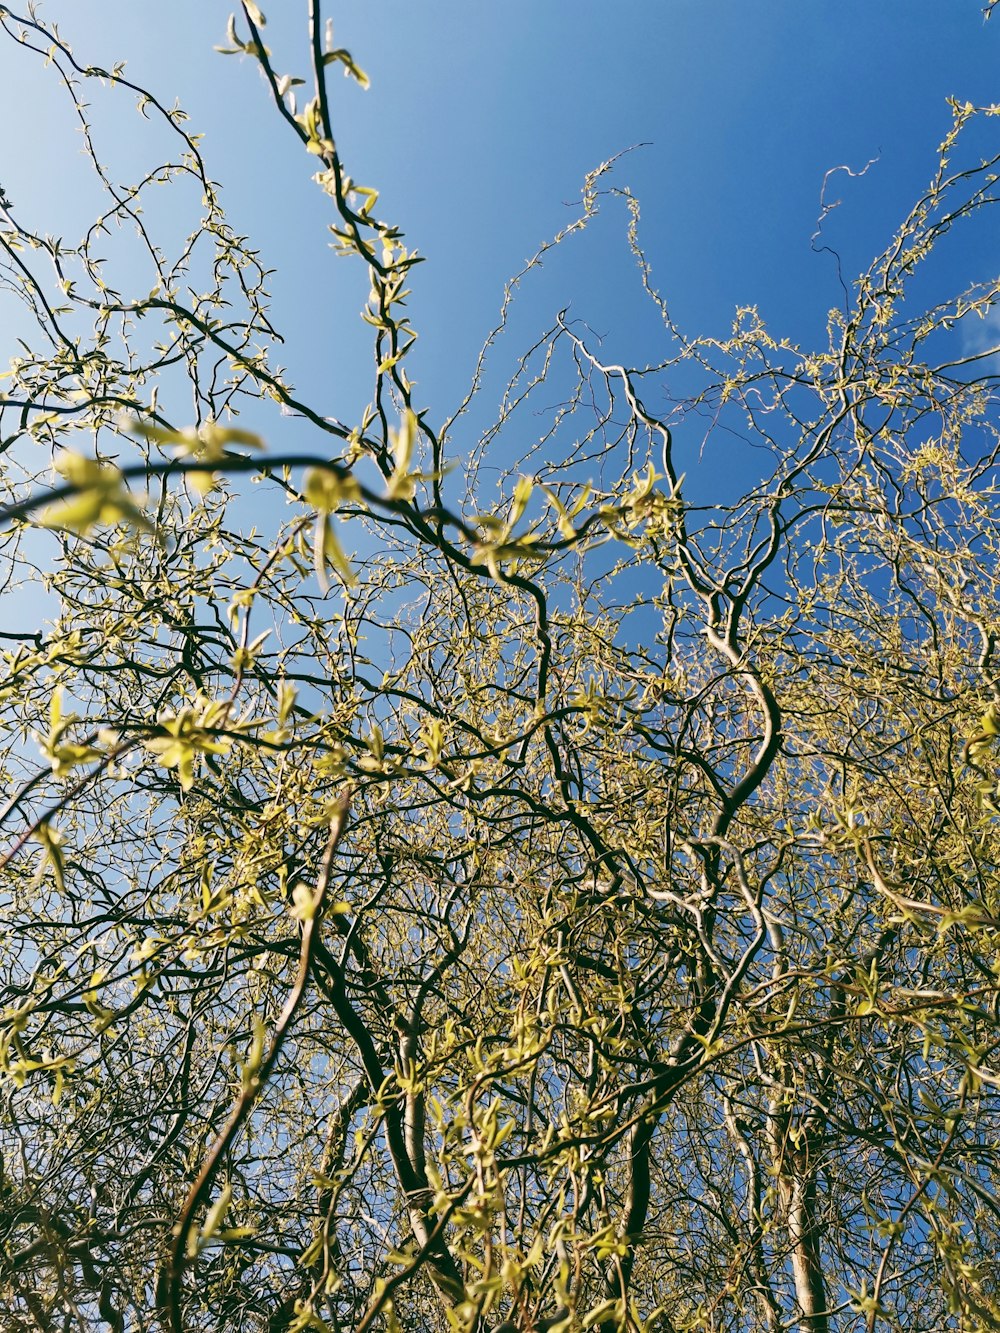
{"points": [[431, 902]]}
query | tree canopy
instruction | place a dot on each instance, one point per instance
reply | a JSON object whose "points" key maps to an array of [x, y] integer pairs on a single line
{"points": [[468, 870]]}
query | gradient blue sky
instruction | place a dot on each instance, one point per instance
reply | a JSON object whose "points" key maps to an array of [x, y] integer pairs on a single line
{"points": [[480, 125]]}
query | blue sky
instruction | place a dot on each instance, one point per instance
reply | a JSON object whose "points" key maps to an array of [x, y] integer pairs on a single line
{"points": [[480, 125], [483, 119]]}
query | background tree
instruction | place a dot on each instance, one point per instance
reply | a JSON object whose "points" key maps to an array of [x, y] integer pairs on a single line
{"points": [[565, 906]]}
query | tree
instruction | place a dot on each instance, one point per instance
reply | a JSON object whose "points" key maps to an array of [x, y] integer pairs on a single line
{"points": [[420, 913]]}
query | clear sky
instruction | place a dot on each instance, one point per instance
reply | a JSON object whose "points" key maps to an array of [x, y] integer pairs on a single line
{"points": [[480, 125]]}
